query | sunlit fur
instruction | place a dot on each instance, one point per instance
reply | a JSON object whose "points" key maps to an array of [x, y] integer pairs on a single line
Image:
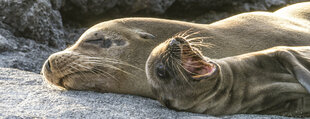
{"points": [[271, 81], [242, 33], [168, 90], [276, 77]]}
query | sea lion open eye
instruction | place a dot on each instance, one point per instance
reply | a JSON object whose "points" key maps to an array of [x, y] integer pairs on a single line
{"points": [[161, 71]]}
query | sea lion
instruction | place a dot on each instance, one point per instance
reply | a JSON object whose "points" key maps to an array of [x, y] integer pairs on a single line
{"points": [[272, 81], [110, 56]]}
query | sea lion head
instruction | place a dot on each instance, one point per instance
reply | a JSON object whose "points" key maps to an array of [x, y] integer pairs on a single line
{"points": [[103, 59], [179, 74]]}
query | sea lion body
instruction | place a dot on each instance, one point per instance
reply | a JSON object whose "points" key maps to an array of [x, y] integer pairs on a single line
{"points": [[273, 81], [110, 56]]}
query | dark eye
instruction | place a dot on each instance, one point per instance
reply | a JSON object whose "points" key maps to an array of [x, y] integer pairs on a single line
{"points": [[161, 71]]}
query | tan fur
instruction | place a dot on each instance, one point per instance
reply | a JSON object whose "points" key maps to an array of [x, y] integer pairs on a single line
{"points": [[272, 81], [232, 36]]}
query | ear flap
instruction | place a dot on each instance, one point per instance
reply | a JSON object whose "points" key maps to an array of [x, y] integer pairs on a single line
{"points": [[145, 35], [293, 63]]}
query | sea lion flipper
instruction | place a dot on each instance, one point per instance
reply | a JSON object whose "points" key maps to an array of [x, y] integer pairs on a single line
{"points": [[303, 76], [296, 61]]}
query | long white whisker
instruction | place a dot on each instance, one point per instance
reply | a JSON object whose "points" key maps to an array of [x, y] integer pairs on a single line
{"points": [[197, 38], [113, 61], [191, 34]]}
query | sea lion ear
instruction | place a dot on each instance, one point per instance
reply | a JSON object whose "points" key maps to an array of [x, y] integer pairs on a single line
{"points": [[145, 35]]}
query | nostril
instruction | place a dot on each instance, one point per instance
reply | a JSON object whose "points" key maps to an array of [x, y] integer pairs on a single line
{"points": [[177, 41], [48, 66], [168, 104], [174, 42]]}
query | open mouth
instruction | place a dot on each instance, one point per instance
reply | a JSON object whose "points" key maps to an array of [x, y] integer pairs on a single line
{"points": [[195, 64]]}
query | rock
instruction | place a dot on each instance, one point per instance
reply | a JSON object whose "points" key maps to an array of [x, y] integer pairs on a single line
{"points": [[72, 34], [27, 95], [6, 44], [34, 19], [84, 10], [22, 53], [57, 4], [30, 30]]}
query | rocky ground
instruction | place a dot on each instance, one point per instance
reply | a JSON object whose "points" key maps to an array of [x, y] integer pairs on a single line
{"points": [[30, 30], [24, 95]]}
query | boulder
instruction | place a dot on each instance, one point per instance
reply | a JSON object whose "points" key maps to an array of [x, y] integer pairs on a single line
{"points": [[26, 95], [33, 19]]}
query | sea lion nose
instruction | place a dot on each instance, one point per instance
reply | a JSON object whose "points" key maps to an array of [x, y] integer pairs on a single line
{"points": [[176, 41], [175, 46], [48, 66]]}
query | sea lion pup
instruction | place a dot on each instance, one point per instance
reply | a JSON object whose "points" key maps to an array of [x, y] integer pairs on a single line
{"points": [[272, 81], [111, 56]]}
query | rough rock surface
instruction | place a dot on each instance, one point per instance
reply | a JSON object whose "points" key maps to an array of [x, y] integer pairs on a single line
{"points": [[34, 19], [26, 95], [78, 10]]}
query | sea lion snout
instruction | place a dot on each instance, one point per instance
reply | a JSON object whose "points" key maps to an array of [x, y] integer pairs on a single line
{"points": [[177, 41], [176, 45], [47, 66]]}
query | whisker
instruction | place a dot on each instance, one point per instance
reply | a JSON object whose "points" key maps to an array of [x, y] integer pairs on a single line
{"points": [[189, 35], [87, 68], [104, 73], [185, 32], [101, 72], [182, 74], [207, 45], [83, 74], [197, 38], [114, 61], [118, 69]]}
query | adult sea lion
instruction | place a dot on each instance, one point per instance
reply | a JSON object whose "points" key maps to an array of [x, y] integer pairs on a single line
{"points": [[110, 56], [272, 81]]}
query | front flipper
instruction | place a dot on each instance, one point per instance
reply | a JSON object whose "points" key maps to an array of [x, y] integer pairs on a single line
{"points": [[297, 60]]}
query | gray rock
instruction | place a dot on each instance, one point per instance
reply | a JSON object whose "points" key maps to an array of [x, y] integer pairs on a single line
{"points": [[57, 4], [30, 56], [34, 19], [26, 95], [6, 45], [22, 53], [83, 10], [72, 34]]}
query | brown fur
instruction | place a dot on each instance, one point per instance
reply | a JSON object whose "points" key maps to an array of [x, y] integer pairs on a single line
{"points": [[239, 34], [272, 81]]}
